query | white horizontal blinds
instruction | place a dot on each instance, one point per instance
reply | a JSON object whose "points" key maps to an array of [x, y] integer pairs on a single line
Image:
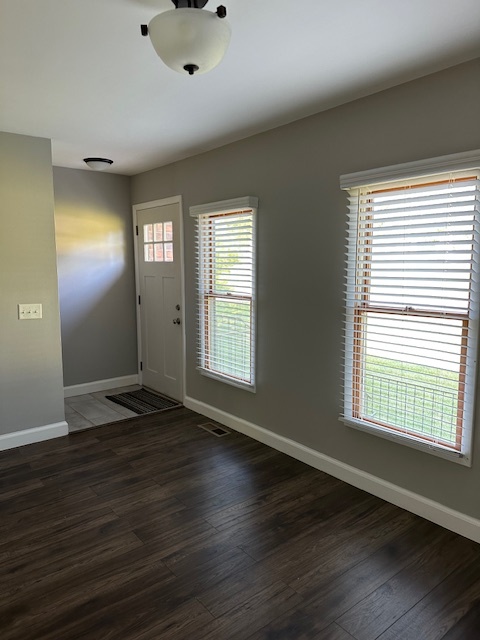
{"points": [[412, 282], [226, 254]]}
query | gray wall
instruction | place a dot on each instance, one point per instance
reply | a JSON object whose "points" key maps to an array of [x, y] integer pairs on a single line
{"points": [[93, 219], [31, 387], [294, 170]]}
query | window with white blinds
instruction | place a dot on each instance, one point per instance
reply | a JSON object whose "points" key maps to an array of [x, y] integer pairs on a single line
{"points": [[226, 290], [412, 310]]}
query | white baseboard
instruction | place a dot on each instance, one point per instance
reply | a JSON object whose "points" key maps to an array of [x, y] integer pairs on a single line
{"points": [[36, 434], [429, 509], [100, 385]]}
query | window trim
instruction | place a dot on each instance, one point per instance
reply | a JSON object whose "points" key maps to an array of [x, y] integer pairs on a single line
{"points": [[219, 208], [225, 206], [411, 171]]}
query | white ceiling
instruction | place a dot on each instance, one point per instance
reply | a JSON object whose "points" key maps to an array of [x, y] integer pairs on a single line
{"points": [[79, 71]]}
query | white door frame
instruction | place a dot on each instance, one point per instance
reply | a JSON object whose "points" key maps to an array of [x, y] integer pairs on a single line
{"points": [[140, 207]]}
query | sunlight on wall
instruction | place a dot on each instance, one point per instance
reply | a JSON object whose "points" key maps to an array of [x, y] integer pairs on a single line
{"points": [[91, 258]]}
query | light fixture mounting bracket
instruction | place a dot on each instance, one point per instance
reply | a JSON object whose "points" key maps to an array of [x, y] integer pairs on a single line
{"points": [[189, 4]]}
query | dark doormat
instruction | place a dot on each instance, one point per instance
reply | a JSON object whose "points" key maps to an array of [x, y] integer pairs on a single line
{"points": [[144, 401]]}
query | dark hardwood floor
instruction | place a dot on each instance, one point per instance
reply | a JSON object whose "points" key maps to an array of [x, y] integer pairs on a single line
{"points": [[155, 529]]}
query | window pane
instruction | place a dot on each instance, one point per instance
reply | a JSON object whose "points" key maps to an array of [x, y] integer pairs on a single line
{"points": [[411, 373], [148, 233], [168, 252], [159, 252], [168, 231], [228, 324], [158, 231], [231, 249], [418, 247], [148, 252]]}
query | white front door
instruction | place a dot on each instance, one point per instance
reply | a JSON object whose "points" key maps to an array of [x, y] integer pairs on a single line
{"points": [[160, 289]]}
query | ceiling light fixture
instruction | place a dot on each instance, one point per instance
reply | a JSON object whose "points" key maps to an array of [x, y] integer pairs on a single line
{"points": [[98, 164], [187, 39]]}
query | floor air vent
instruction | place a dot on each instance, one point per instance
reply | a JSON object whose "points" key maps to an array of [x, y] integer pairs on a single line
{"points": [[214, 429]]}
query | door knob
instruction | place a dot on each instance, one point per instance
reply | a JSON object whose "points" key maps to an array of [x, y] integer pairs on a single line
{"points": [[176, 321]]}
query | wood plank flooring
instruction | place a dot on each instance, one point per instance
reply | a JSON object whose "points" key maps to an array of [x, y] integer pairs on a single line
{"points": [[155, 529]]}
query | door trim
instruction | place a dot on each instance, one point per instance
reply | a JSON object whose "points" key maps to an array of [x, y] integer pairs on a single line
{"points": [[135, 209]]}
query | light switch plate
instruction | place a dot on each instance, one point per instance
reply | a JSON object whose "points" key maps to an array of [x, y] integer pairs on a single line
{"points": [[32, 311]]}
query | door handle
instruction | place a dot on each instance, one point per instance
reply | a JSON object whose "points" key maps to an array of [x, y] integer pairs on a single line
{"points": [[176, 321]]}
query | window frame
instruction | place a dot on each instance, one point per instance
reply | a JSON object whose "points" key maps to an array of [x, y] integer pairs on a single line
{"points": [[216, 209], [425, 170]]}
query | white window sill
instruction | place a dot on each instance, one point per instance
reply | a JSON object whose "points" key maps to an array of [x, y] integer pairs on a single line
{"points": [[409, 441], [231, 381]]}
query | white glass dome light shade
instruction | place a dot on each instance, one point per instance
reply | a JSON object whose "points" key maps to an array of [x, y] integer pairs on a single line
{"points": [[183, 37]]}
